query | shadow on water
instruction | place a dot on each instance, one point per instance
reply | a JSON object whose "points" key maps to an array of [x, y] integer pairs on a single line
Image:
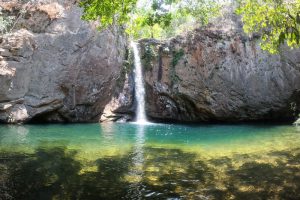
{"points": [[46, 174], [54, 173]]}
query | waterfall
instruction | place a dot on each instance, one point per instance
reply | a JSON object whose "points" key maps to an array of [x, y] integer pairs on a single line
{"points": [[139, 86]]}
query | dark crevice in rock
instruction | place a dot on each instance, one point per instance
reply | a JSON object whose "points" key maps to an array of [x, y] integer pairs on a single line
{"points": [[49, 117], [160, 71]]}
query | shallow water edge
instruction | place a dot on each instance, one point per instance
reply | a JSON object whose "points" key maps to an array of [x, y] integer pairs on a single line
{"points": [[165, 161]]}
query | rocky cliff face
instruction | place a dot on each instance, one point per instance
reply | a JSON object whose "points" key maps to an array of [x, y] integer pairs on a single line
{"points": [[218, 74], [56, 67], [211, 75]]}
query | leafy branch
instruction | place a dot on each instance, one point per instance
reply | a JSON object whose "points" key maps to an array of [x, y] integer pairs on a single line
{"points": [[278, 21]]}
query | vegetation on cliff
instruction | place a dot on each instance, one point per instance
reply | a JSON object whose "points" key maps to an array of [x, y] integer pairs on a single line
{"points": [[278, 21], [5, 22]]}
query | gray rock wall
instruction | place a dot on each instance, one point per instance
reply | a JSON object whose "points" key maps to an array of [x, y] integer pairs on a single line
{"points": [[212, 75], [217, 74], [56, 67]]}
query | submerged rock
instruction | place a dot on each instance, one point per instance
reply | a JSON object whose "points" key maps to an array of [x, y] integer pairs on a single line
{"points": [[56, 67]]}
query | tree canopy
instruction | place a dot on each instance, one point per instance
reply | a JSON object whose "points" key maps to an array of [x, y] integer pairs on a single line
{"points": [[154, 18], [108, 11], [278, 21]]}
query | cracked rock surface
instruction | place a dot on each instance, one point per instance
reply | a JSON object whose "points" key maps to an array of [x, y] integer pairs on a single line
{"points": [[217, 74], [56, 67]]}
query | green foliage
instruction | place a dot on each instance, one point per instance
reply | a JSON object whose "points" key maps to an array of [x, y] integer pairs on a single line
{"points": [[164, 19], [5, 22], [126, 69], [155, 18], [277, 20], [190, 14], [148, 56], [200, 10], [177, 55], [108, 12], [128, 63], [150, 21]]}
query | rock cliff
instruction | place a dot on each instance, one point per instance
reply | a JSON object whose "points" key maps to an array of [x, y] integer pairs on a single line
{"points": [[217, 73], [212, 76], [54, 66]]}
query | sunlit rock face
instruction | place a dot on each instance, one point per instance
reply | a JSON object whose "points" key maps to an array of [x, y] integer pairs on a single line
{"points": [[213, 75], [218, 73], [56, 67]]}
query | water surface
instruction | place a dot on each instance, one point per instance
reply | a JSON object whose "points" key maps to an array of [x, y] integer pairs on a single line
{"points": [[158, 161]]}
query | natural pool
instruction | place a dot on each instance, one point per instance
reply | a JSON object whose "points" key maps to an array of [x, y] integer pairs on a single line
{"points": [[161, 161]]}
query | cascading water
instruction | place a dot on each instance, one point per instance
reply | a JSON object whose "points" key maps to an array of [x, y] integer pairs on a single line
{"points": [[139, 86]]}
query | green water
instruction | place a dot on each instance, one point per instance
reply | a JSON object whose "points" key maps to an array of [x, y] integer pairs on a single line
{"points": [[129, 161]]}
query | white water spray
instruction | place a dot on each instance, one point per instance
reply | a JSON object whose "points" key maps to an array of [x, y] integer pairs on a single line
{"points": [[139, 86]]}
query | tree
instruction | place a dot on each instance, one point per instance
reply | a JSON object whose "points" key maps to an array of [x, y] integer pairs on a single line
{"points": [[154, 18], [278, 21], [109, 12], [149, 22]]}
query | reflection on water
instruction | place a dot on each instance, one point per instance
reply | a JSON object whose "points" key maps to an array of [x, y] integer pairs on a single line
{"points": [[108, 132], [298, 128], [136, 173], [14, 134], [126, 161]]}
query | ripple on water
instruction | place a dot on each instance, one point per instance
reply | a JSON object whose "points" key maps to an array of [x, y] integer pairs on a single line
{"points": [[114, 161]]}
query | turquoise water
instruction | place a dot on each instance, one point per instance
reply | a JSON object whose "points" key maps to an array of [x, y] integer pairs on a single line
{"points": [[158, 161]]}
